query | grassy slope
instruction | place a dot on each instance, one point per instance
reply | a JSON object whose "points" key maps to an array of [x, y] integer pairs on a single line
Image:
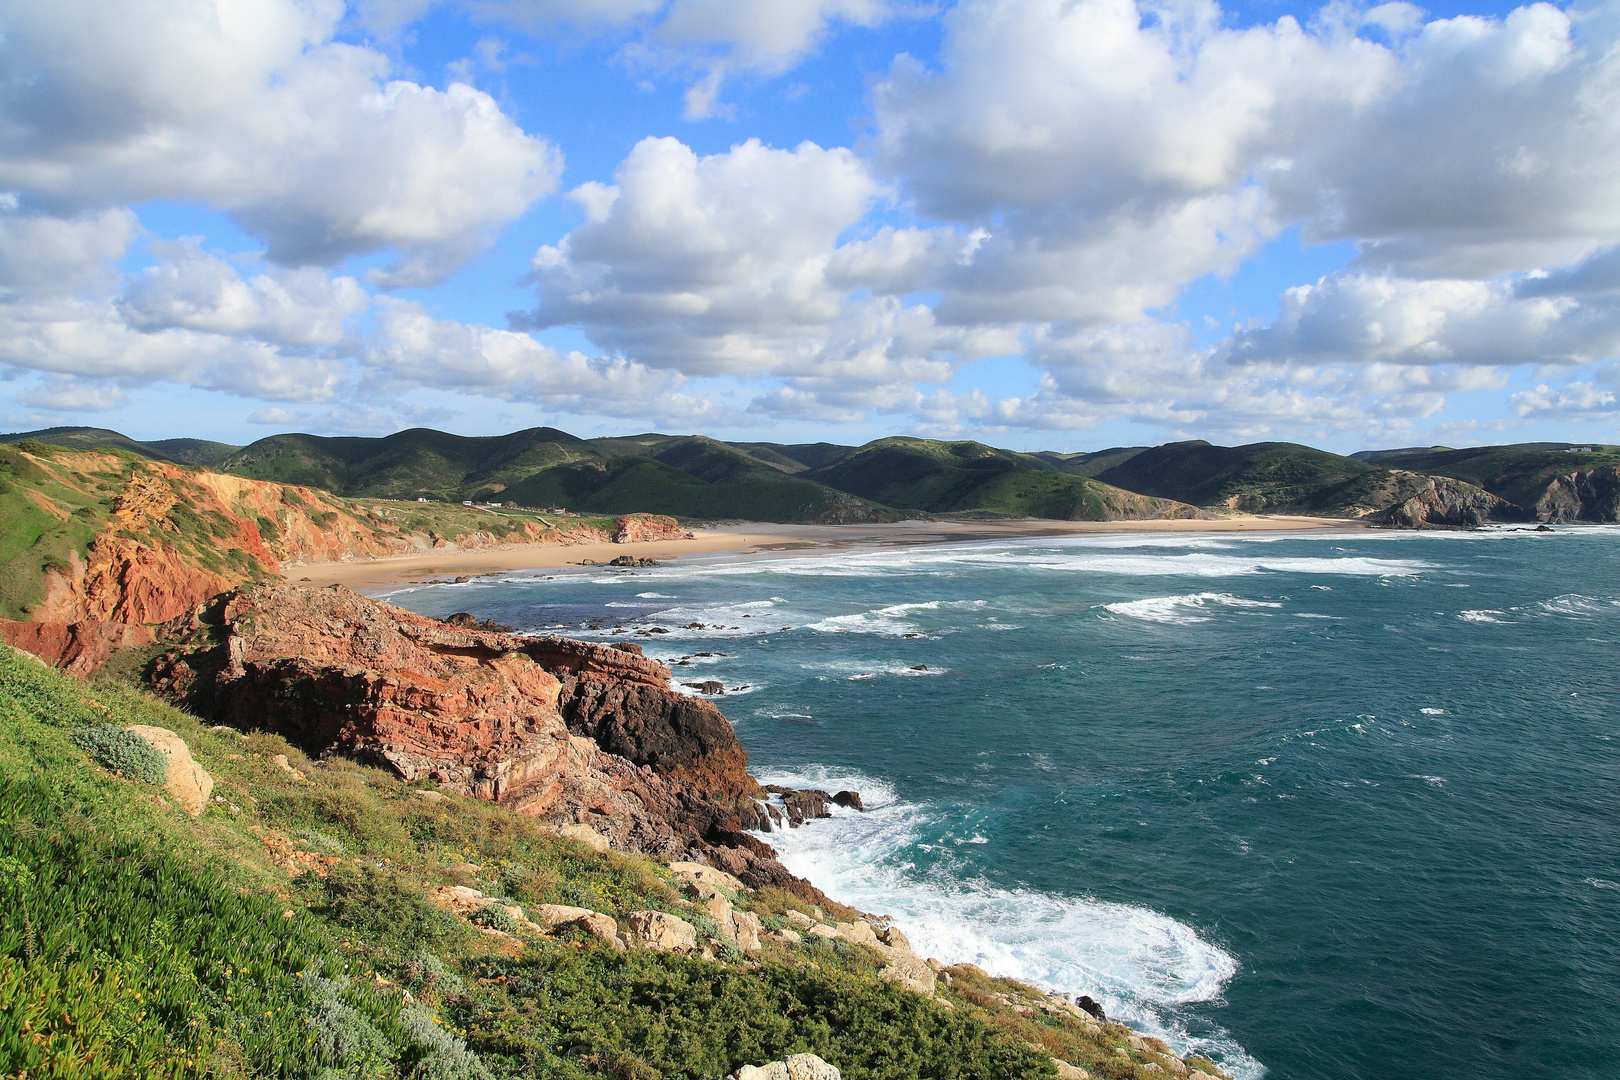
{"points": [[54, 502], [137, 941], [1288, 476], [959, 477], [691, 477], [1518, 474], [408, 464], [180, 451], [1091, 463], [33, 537]]}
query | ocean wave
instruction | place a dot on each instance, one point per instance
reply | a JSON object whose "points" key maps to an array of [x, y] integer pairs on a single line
{"points": [[1575, 605], [1213, 559], [1481, 615], [1183, 610], [1141, 964], [890, 621]]}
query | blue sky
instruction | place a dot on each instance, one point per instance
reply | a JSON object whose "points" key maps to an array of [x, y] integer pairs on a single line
{"points": [[1039, 224]]}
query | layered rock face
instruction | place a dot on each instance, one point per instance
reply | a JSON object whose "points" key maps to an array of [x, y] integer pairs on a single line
{"points": [[78, 648], [1440, 502], [567, 731], [1583, 495], [634, 528]]}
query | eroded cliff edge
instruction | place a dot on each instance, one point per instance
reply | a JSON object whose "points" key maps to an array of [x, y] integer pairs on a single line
{"points": [[566, 731]]}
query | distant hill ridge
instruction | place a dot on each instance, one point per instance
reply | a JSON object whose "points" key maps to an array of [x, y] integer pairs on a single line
{"points": [[696, 477]]}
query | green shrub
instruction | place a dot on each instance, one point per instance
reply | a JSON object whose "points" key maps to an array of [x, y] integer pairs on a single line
{"points": [[316, 840], [345, 1036], [424, 972], [121, 751], [496, 917], [446, 1055]]}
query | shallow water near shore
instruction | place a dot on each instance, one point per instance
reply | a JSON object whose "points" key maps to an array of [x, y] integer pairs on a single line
{"points": [[1331, 805]]}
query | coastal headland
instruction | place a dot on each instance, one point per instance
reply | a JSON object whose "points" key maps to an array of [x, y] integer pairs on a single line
{"points": [[413, 833], [469, 817]]}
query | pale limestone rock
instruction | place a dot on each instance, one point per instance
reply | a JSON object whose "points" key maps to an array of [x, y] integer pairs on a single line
{"points": [[662, 932], [800, 920], [747, 928], [694, 873], [551, 916], [788, 937], [1066, 1071], [584, 834], [795, 1067], [858, 932], [189, 784], [718, 908], [822, 930]]}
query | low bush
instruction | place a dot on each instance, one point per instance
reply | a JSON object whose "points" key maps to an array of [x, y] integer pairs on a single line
{"points": [[121, 751]]}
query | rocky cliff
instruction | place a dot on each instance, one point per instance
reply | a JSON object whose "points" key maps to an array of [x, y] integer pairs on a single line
{"points": [[566, 731], [99, 536], [1440, 502], [1582, 495]]}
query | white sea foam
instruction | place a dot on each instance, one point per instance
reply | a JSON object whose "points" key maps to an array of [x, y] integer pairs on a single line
{"points": [[891, 620], [1432, 712], [1577, 606], [653, 596], [1183, 610], [1481, 615], [1141, 964], [1135, 556]]}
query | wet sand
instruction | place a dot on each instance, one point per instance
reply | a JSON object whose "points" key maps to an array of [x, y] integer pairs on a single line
{"points": [[759, 539]]}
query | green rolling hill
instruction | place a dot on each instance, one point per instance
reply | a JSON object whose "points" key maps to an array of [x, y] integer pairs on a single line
{"points": [[200, 452], [970, 477], [1257, 478], [1521, 474], [696, 477]]}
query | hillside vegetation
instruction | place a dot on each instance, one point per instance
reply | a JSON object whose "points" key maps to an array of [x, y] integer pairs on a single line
{"points": [[112, 535], [1521, 474], [698, 478], [179, 451], [292, 930], [1258, 477], [970, 477]]}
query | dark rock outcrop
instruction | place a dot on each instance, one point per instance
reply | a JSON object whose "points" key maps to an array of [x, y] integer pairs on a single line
{"points": [[1582, 495], [849, 799], [1440, 502], [567, 731]]}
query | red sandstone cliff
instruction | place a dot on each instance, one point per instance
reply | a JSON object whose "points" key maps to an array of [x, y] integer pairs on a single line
{"points": [[563, 730]]}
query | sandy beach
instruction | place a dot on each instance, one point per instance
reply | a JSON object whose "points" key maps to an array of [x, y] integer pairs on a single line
{"points": [[760, 538]]}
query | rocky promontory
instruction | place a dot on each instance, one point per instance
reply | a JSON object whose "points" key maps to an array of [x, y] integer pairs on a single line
{"points": [[570, 732]]}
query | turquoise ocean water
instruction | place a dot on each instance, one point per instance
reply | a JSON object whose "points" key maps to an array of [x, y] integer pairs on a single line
{"points": [[1331, 805]]}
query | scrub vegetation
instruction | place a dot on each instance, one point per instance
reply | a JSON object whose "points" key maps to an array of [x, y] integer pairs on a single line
{"points": [[290, 931]]}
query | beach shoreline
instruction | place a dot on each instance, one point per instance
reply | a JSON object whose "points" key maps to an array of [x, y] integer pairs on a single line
{"points": [[762, 539]]}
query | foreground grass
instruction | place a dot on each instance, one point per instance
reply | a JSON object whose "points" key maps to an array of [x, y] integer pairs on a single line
{"points": [[138, 941]]}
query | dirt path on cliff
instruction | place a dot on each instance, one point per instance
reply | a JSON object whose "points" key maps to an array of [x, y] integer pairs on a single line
{"points": [[758, 540]]}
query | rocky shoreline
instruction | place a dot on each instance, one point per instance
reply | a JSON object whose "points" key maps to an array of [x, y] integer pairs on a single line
{"points": [[591, 739]]}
